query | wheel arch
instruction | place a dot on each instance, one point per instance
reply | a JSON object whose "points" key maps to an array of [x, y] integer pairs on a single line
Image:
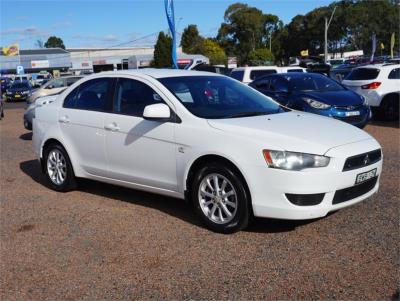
{"points": [[205, 159], [46, 144]]}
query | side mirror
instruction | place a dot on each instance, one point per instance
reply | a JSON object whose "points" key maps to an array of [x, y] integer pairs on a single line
{"points": [[158, 111]]}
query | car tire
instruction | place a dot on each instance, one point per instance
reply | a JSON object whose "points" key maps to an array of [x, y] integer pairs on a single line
{"points": [[389, 108], [220, 198], [58, 169]]}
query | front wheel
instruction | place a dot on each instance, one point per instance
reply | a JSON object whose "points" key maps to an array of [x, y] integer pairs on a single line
{"points": [[58, 169], [220, 198]]}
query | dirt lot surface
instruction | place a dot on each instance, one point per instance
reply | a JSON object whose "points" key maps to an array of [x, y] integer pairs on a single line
{"points": [[109, 243]]}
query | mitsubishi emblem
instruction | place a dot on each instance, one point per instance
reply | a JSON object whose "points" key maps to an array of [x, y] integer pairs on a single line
{"points": [[366, 160]]}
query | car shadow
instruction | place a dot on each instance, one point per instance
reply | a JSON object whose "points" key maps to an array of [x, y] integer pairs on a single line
{"points": [[175, 207], [391, 124], [26, 136]]}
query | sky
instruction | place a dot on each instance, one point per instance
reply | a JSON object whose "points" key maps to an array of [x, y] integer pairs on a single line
{"points": [[107, 23]]}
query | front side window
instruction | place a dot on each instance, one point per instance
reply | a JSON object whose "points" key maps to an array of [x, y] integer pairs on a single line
{"points": [[92, 95], [258, 73], [238, 75], [394, 74], [132, 96], [217, 97]]}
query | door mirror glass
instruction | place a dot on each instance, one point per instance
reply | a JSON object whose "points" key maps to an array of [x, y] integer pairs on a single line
{"points": [[157, 111]]}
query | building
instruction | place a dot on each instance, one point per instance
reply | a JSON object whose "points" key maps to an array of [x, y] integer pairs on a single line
{"points": [[36, 60]]}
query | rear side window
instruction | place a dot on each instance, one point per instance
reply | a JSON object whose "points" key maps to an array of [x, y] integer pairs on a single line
{"points": [[132, 96], [91, 95], [394, 74], [363, 74], [237, 75], [258, 73]]}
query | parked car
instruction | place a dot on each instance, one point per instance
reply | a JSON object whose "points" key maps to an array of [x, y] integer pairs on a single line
{"points": [[211, 68], [248, 74], [338, 73], [5, 84], [54, 86], [380, 85], [1, 107], [30, 111], [19, 90], [226, 147], [39, 79], [315, 93], [314, 64]]}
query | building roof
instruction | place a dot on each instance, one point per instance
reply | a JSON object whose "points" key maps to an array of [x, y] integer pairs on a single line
{"points": [[40, 51]]}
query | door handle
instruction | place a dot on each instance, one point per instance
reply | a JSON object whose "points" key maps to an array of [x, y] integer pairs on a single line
{"points": [[64, 119], [113, 127]]}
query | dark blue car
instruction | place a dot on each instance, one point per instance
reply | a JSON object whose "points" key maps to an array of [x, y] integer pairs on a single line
{"points": [[315, 93], [5, 84]]}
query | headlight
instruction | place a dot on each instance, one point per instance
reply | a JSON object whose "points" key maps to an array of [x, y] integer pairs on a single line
{"points": [[316, 104], [294, 161]]}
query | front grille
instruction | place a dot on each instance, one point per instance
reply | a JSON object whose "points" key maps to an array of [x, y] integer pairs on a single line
{"points": [[348, 108], [362, 160], [353, 192]]}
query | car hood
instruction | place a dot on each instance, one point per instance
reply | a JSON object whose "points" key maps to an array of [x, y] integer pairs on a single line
{"points": [[293, 131], [335, 98], [14, 90]]}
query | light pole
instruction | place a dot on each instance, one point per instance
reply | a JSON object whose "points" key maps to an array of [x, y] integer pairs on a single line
{"points": [[327, 23]]}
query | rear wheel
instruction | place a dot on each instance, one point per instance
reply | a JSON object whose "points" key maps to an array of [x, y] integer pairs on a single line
{"points": [[220, 199], [58, 168], [389, 108]]}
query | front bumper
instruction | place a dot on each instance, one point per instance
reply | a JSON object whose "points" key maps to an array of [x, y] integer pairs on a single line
{"points": [[342, 114], [17, 96], [269, 187]]}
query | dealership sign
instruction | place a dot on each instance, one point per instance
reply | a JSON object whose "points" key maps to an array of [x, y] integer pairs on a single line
{"points": [[40, 64]]}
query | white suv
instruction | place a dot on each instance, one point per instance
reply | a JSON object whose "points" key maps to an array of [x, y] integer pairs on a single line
{"points": [[380, 85], [248, 74], [226, 147]]}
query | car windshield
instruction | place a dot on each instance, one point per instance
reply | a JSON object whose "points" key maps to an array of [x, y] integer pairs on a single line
{"points": [[19, 85], [218, 97], [312, 83]]}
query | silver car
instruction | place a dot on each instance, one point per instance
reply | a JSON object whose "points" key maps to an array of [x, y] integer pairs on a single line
{"points": [[53, 87]]}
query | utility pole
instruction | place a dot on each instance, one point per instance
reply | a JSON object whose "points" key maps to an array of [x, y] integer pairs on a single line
{"points": [[327, 23]]}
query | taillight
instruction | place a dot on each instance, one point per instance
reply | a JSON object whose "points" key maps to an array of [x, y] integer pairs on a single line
{"points": [[374, 85]]}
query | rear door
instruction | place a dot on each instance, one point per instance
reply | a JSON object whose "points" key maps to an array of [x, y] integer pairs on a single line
{"points": [[139, 151], [81, 120]]}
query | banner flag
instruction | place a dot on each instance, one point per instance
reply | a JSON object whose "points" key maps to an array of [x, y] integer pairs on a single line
{"points": [[373, 46], [12, 50], [304, 52], [392, 40], [169, 10]]}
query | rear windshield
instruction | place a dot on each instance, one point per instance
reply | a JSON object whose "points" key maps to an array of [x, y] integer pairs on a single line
{"points": [[237, 75], [258, 73], [363, 74]]}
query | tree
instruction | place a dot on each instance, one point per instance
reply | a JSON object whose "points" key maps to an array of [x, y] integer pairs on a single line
{"points": [[245, 29], [191, 40], [261, 56], [54, 42], [214, 52], [163, 51]]}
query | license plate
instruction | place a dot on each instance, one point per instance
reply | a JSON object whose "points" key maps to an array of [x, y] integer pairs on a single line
{"points": [[16, 95], [353, 113], [365, 176]]}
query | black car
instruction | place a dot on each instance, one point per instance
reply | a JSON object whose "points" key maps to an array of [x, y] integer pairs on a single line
{"points": [[19, 90], [5, 84], [315, 64]]}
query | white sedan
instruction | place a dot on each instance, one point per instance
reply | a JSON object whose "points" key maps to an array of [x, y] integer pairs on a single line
{"points": [[233, 152]]}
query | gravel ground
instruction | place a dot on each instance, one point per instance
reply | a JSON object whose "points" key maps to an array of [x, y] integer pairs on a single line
{"points": [[109, 243]]}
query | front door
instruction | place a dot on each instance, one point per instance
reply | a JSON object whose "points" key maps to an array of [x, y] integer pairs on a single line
{"points": [[139, 151]]}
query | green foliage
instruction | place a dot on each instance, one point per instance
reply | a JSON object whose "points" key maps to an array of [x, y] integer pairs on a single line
{"points": [[214, 52], [54, 42], [261, 56], [163, 51], [191, 41], [245, 29]]}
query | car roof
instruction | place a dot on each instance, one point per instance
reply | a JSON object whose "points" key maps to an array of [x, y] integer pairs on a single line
{"points": [[161, 73], [378, 66], [255, 68]]}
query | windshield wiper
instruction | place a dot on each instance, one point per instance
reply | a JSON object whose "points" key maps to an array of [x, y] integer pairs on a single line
{"points": [[246, 114]]}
